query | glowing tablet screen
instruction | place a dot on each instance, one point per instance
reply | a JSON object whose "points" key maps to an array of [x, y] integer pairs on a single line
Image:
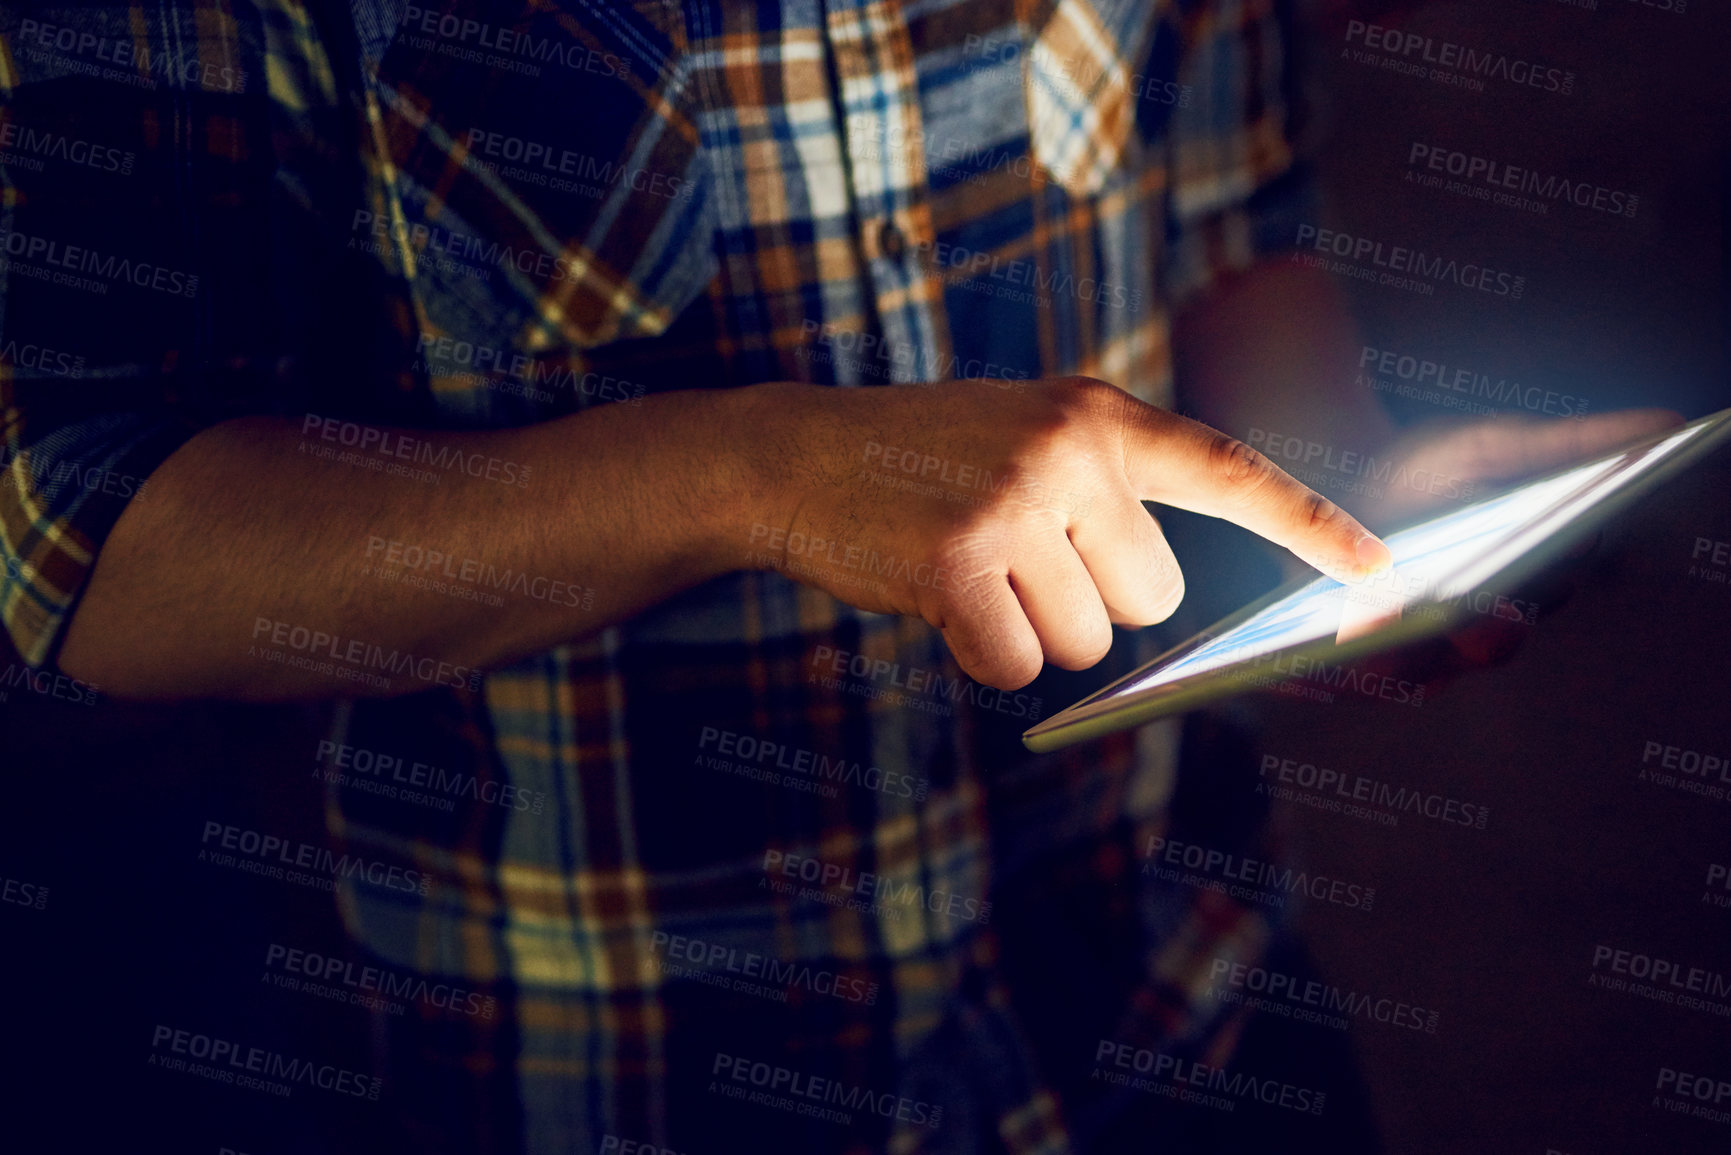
{"points": [[1436, 562]]}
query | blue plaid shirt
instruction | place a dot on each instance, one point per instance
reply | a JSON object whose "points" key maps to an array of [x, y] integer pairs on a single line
{"points": [[755, 863]]}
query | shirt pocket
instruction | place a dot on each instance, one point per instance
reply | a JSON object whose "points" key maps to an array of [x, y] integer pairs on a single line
{"points": [[1086, 86], [535, 174]]}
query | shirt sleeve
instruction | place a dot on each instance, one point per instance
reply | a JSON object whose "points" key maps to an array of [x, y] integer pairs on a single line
{"points": [[1239, 186], [157, 163]]}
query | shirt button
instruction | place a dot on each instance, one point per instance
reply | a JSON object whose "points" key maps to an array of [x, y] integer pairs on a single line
{"points": [[892, 243]]}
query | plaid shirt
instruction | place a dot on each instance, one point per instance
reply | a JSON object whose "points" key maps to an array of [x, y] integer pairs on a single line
{"points": [[754, 856]]}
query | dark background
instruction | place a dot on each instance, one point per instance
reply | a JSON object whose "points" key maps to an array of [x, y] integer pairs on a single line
{"points": [[1495, 928]]}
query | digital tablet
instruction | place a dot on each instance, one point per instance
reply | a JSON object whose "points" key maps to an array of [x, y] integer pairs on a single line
{"points": [[1443, 568]]}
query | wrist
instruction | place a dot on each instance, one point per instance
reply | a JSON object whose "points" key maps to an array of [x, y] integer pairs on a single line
{"points": [[751, 438]]}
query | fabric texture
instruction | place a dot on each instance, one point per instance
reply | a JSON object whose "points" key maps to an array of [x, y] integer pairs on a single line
{"points": [[702, 840]]}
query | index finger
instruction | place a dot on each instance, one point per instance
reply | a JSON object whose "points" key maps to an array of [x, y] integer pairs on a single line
{"points": [[1186, 464]]}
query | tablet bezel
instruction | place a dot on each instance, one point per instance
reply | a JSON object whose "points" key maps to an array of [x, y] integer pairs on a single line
{"points": [[1096, 715]]}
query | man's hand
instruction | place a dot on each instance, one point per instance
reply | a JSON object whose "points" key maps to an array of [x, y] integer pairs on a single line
{"points": [[1005, 513], [1490, 453], [1008, 514]]}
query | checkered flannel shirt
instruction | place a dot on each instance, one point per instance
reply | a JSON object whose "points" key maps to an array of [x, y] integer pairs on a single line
{"points": [[753, 832]]}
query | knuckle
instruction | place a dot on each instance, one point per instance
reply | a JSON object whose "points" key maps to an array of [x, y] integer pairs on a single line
{"points": [[1096, 647], [950, 606], [1317, 510], [1082, 434], [1161, 602], [937, 606], [1084, 638], [1004, 663], [967, 556], [973, 664], [1238, 466], [1091, 388], [1088, 399], [1018, 666], [1170, 593]]}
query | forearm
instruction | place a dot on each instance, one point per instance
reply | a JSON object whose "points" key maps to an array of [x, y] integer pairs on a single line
{"points": [[250, 550]]}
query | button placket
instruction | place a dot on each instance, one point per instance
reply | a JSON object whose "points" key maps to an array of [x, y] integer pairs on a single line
{"points": [[883, 136]]}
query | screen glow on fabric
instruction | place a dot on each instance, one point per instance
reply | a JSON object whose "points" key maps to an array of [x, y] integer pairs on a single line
{"points": [[1437, 561]]}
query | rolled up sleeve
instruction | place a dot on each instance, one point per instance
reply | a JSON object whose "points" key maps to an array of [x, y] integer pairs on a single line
{"points": [[159, 165]]}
